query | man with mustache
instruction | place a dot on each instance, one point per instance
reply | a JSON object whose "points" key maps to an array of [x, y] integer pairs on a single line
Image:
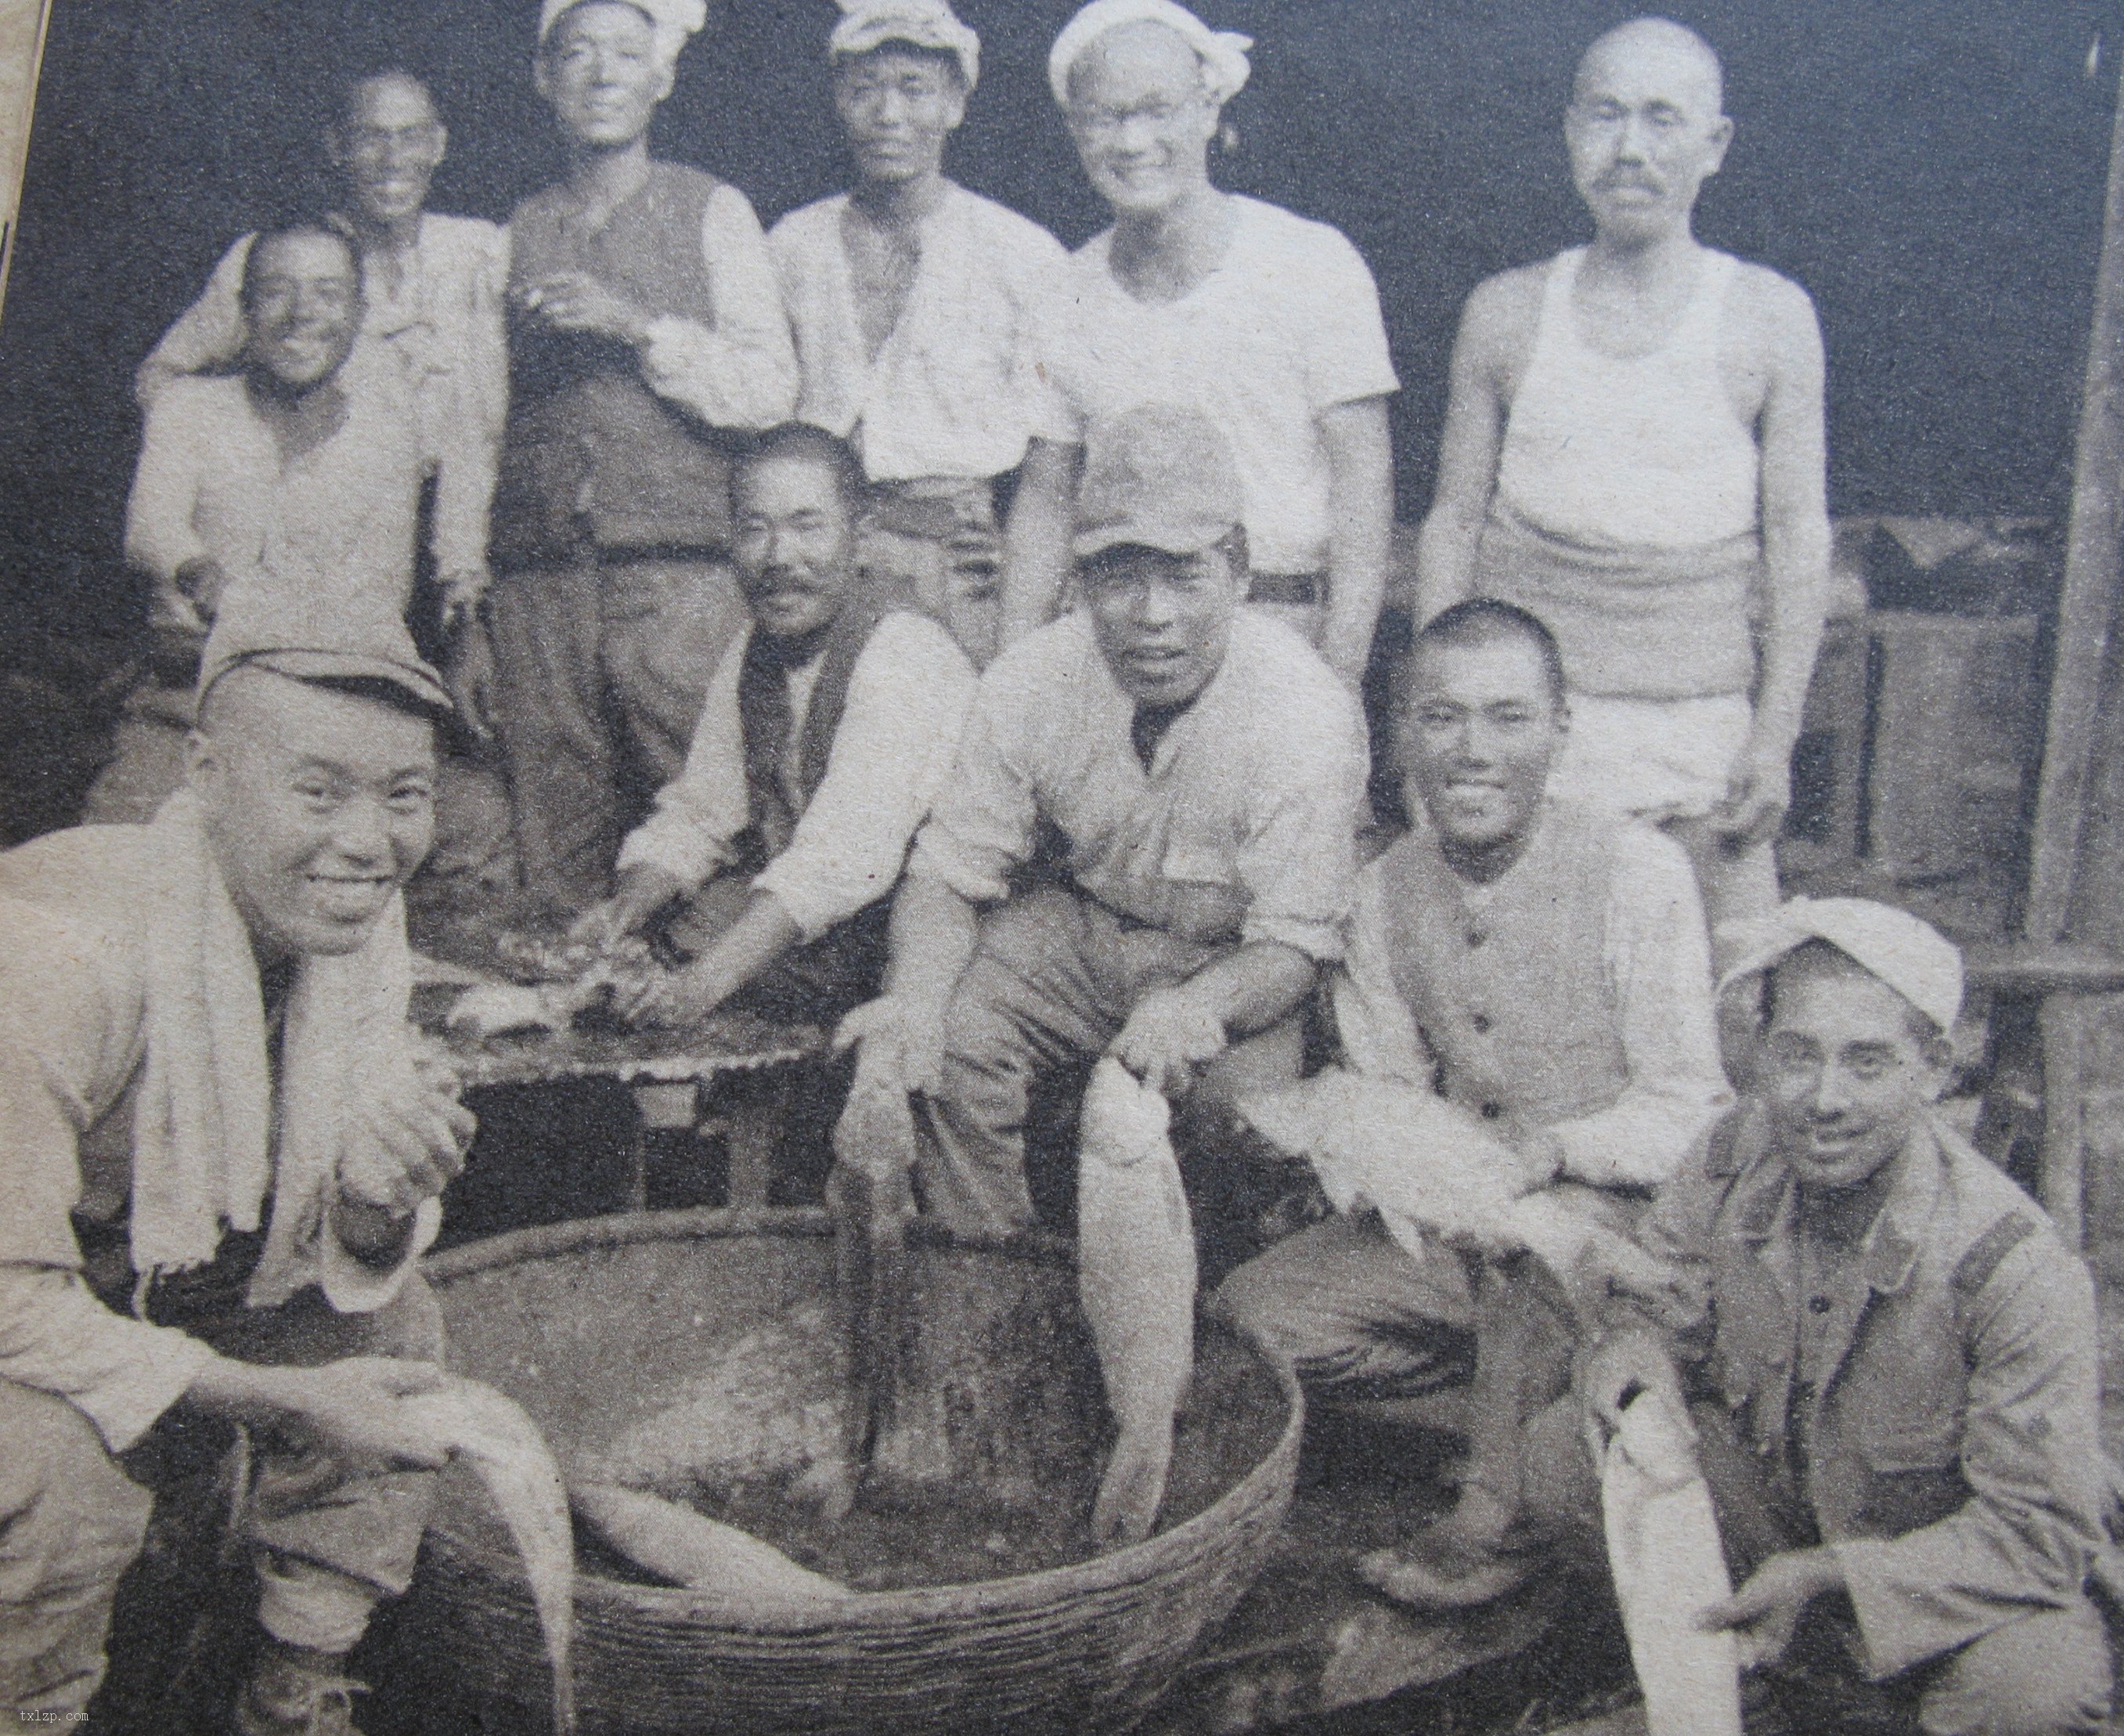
{"points": [[1634, 450], [912, 303], [432, 299], [647, 332], [1888, 1357], [1194, 772], [1544, 968], [220, 1161], [830, 724]]}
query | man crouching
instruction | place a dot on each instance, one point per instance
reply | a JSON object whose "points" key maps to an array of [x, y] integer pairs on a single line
{"points": [[1888, 1357], [220, 1164]]}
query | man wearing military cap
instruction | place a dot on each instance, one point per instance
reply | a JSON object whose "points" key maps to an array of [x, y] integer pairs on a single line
{"points": [[222, 1164]]}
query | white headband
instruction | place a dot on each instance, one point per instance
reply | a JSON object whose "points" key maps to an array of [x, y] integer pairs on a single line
{"points": [[1911, 956], [1222, 52], [673, 21]]}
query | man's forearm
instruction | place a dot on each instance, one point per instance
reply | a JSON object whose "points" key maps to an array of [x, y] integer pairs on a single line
{"points": [[934, 931], [1360, 533], [1037, 539], [1796, 589], [1250, 990], [760, 936], [1446, 549]]}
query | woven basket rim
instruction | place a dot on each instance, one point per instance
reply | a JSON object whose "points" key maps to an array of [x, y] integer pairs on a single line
{"points": [[1134, 1564]]}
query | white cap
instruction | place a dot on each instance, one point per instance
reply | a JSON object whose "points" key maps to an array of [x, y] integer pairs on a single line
{"points": [[930, 24], [1910, 955], [1222, 52], [673, 20]]}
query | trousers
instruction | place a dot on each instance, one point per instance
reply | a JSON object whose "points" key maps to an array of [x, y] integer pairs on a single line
{"points": [[2045, 1673], [1053, 980], [601, 669], [328, 1542]]}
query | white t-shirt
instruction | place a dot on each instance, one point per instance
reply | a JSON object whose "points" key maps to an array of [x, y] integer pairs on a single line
{"points": [[1287, 325]]}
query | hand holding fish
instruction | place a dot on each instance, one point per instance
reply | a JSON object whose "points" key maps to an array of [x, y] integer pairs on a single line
{"points": [[1169, 1037], [1765, 1613], [349, 1410], [404, 1146], [899, 1045]]}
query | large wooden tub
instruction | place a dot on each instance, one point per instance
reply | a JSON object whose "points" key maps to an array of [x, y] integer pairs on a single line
{"points": [[586, 1324]]}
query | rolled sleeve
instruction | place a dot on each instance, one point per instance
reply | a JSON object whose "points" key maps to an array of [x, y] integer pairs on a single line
{"points": [[700, 812], [208, 336], [908, 698], [160, 537], [121, 1374], [742, 373], [1347, 356], [2024, 1539]]}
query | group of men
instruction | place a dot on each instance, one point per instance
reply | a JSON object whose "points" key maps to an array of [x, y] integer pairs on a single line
{"points": [[913, 626]]}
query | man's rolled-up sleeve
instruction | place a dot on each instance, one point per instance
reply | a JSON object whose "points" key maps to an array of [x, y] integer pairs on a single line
{"points": [[1299, 861], [741, 372], [2023, 1540], [982, 826], [700, 812]]}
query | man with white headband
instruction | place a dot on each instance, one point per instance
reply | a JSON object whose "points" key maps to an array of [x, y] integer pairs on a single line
{"points": [[1267, 323], [1633, 451], [913, 304], [647, 327], [1888, 1357]]}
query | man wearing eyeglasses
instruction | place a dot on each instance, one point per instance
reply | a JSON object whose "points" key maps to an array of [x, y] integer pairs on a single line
{"points": [[1267, 323], [1633, 451]]}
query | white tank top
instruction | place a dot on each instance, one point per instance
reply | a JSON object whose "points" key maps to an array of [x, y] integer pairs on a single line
{"points": [[1641, 452]]}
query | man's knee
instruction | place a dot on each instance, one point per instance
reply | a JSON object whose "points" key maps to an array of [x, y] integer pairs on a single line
{"points": [[71, 1520], [2047, 1674]]}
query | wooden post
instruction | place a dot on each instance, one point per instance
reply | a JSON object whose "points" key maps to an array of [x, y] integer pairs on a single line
{"points": [[2094, 552]]}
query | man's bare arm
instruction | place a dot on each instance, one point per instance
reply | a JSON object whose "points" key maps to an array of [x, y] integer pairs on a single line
{"points": [[1795, 526], [899, 1037], [1469, 444], [1037, 541], [1361, 530]]}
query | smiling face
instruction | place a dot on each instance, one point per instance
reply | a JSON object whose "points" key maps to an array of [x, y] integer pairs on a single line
{"points": [[1163, 621], [1142, 119], [897, 106], [320, 804], [1645, 129], [302, 301], [795, 544], [600, 71], [1481, 726], [388, 146], [1846, 1070]]}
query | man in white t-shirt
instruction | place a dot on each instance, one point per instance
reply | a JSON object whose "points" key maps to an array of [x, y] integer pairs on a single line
{"points": [[1266, 321], [913, 304]]}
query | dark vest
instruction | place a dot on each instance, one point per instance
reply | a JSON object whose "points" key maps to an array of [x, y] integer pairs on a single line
{"points": [[591, 454], [781, 777], [1513, 1000]]}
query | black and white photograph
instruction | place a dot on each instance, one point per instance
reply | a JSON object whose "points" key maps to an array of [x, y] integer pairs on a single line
{"points": [[935, 867]]}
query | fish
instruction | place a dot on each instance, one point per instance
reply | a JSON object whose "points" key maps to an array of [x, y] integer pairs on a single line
{"points": [[677, 1544], [1664, 1554], [496, 1436], [871, 1192], [1135, 1278]]}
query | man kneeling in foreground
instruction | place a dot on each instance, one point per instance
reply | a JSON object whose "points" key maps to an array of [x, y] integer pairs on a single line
{"points": [[1888, 1357], [218, 1165]]}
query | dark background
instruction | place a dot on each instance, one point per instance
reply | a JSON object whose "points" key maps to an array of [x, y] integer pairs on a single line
{"points": [[1931, 170]]}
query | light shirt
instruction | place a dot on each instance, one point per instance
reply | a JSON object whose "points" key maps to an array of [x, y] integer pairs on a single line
{"points": [[1242, 825], [443, 323], [1657, 958], [1287, 325], [339, 519], [907, 698], [952, 391], [742, 373]]}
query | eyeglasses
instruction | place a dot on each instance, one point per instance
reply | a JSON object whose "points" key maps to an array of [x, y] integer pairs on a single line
{"points": [[1103, 123]]}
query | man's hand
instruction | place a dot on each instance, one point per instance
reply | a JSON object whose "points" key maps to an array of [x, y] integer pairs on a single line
{"points": [[1170, 1035], [348, 1409], [1764, 1613], [1676, 1295], [671, 1001], [1757, 795], [1628, 1364], [470, 673], [200, 582], [643, 889], [899, 1046], [403, 1149], [575, 301]]}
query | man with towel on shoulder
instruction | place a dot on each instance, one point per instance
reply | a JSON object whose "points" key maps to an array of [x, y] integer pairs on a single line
{"points": [[1633, 451], [912, 301], [219, 1163]]}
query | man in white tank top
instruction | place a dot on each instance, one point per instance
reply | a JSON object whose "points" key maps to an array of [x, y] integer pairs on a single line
{"points": [[1633, 451]]}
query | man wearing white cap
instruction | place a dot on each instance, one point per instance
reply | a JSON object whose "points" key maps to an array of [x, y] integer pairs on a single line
{"points": [[648, 327], [1267, 323], [1634, 450], [1888, 1356], [1203, 771], [221, 1165], [912, 301]]}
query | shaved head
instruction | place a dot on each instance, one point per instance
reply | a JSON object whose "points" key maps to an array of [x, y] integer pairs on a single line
{"points": [[1656, 45]]}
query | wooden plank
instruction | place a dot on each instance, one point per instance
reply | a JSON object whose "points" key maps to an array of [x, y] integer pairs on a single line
{"points": [[2064, 1020], [2094, 555]]}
